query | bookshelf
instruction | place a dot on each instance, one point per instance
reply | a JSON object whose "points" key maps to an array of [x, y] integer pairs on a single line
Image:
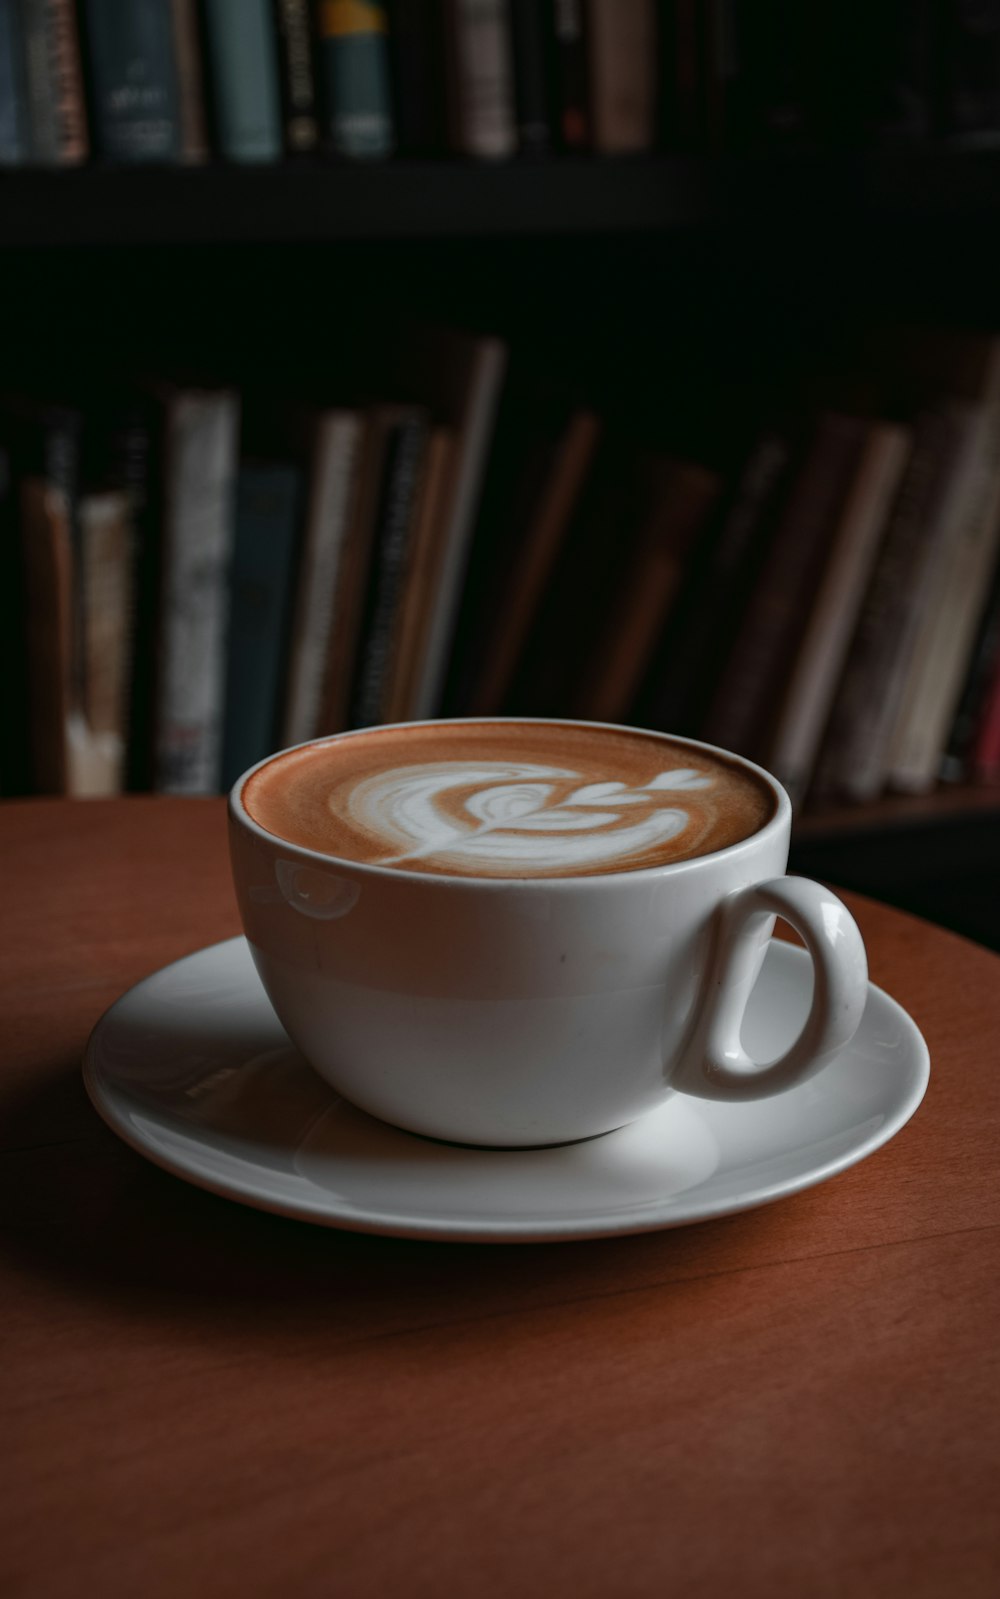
{"points": [[318, 201], [652, 282]]}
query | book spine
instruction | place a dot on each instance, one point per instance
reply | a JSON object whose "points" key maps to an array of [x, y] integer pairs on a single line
{"points": [[56, 109], [855, 749], [14, 132], [472, 448], [98, 729], [570, 74], [768, 634], [985, 661], [193, 132], [334, 475], [416, 48], [531, 77], [199, 482], [260, 591], [49, 626], [435, 481], [985, 761], [814, 674], [944, 645], [622, 49], [297, 70], [354, 56], [483, 113], [546, 533], [404, 466], [244, 79], [15, 732], [133, 80]]}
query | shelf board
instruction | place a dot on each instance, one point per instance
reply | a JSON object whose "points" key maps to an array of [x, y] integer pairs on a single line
{"points": [[329, 201], [948, 803]]}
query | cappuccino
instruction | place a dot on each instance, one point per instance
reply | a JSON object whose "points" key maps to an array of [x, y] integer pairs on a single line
{"points": [[508, 799]]}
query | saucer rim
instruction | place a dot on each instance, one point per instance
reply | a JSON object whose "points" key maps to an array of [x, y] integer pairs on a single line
{"points": [[404, 1224]]}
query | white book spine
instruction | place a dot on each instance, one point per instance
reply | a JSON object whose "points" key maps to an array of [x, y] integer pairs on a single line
{"points": [[336, 457], [948, 629], [472, 451], [485, 86], [201, 459], [817, 670]]}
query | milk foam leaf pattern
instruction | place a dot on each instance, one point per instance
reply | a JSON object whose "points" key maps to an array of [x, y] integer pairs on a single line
{"points": [[683, 777], [501, 807]]}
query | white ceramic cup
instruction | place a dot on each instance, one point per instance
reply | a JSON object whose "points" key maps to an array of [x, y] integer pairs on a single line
{"points": [[518, 1012]]}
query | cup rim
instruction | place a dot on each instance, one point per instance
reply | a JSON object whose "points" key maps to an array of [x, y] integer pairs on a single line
{"points": [[565, 882]]}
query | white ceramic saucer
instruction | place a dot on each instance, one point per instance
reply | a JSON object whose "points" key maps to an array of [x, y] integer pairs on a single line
{"points": [[192, 1069]]}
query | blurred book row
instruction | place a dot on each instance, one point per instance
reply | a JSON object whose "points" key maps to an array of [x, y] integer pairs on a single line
{"points": [[192, 579], [185, 81]]}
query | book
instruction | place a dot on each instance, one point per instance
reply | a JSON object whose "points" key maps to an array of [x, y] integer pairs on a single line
{"points": [[570, 74], [98, 722], [946, 633], [771, 629], [460, 378], [416, 599], [244, 72], [481, 78], [534, 408], [15, 144], [536, 555], [190, 83], [678, 497], [40, 452], [395, 532], [133, 78], [854, 753], [57, 118], [199, 480], [297, 76], [354, 64], [985, 657], [49, 629], [260, 591], [622, 53], [723, 573], [814, 672], [971, 61], [529, 53], [985, 754], [417, 61], [334, 461], [350, 591]]}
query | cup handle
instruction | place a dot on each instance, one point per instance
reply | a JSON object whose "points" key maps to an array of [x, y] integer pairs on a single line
{"points": [[717, 1066]]}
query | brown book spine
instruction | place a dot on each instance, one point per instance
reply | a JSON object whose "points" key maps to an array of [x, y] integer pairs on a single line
{"points": [[48, 572], [190, 83], [541, 550], [623, 54], [67, 81], [406, 648], [352, 581], [680, 499]]}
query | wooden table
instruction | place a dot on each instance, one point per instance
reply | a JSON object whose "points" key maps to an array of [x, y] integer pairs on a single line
{"points": [[201, 1399]]}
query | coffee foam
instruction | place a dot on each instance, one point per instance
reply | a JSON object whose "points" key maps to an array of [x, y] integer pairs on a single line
{"points": [[507, 799]]}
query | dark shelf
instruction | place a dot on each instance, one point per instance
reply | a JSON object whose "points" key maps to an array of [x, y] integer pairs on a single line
{"points": [[441, 199]]}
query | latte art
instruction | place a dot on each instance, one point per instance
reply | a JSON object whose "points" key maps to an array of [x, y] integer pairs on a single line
{"points": [[508, 799], [517, 816]]}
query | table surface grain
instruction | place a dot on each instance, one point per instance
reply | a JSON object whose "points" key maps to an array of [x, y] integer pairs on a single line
{"points": [[201, 1399]]}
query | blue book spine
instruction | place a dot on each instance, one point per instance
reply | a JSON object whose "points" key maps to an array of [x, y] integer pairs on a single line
{"points": [[244, 72], [354, 55], [14, 136], [133, 74], [267, 505]]}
